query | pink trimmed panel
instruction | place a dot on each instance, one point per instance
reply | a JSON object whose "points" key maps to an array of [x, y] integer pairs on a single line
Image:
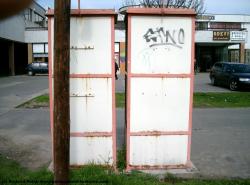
{"points": [[163, 11], [158, 167], [91, 134], [87, 12], [155, 12], [91, 75], [191, 90], [161, 75], [51, 86], [159, 133], [113, 89], [128, 93]]}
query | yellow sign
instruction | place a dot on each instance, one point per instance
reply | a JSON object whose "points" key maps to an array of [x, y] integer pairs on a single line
{"points": [[221, 35]]}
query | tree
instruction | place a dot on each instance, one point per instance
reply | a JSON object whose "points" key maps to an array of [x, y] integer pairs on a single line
{"points": [[197, 5]]}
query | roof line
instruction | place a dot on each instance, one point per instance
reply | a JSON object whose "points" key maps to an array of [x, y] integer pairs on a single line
{"points": [[223, 14], [39, 5]]}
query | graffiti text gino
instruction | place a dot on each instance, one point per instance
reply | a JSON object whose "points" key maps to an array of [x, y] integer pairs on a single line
{"points": [[160, 36]]}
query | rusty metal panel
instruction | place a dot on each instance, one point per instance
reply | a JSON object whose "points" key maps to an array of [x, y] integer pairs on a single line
{"points": [[92, 91], [161, 44], [90, 45], [89, 97], [89, 150], [159, 89], [86, 40], [158, 150], [155, 106]]}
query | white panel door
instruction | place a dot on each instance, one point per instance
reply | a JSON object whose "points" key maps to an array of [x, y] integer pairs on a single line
{"points": [[161, 45], [92, 119], [159, 90]]}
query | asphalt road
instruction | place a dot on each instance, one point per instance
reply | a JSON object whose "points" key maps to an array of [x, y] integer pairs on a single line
{"points": [[15, 90], [220, 141]]}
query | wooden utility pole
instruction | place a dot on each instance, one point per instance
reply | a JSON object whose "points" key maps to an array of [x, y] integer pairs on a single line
{"points": [[61, 91]]}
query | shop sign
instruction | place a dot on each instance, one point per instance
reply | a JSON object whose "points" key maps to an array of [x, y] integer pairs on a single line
{"points": [[238, 35], [221, 35], [205, 17]]}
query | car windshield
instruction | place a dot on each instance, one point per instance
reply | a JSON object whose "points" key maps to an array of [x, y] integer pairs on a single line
{"points": [[238, 68]]}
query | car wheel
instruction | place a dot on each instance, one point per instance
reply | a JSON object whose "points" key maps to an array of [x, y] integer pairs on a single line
{"points": [[30, 73], [213, 81], [233, 85]]}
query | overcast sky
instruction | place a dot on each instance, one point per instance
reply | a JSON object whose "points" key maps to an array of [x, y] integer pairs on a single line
{"points": [[211, 6]]}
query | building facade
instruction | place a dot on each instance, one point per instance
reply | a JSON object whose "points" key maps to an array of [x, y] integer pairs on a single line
{"points": [[23, 39], [221, 38]]}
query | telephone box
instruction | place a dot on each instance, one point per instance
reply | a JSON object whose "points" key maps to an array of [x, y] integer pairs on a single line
{"points": [[92, 86], [160, 62]]}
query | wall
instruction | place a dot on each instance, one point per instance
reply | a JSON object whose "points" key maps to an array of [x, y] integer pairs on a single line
{"points": [[247, 26], [13, 28], [36, 36]]}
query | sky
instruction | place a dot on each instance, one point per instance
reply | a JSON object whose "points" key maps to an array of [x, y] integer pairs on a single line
{"points": [[211, 6]]}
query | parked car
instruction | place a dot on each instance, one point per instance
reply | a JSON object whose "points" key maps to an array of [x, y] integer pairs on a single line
{"points": [[37, 67], [232, 75]]}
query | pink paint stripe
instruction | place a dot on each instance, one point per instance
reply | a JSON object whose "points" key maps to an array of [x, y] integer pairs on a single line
{"points": [[91, 134], [128, 98], [51, 85], [157, 167], [113, 90], [161, 75], [159, 133], [91, 75], [191, 91], [161, 11], [86, 12]]}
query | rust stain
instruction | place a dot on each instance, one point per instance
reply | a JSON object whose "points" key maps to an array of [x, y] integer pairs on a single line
{"points": [[153, 167], [76, 166]]}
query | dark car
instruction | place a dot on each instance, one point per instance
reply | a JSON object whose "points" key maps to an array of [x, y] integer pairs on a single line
{"points": [[37, 67], [232, 75]]}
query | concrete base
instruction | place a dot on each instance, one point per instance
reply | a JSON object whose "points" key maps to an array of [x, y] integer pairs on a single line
{"points": [[51, 167], [187, 173]]}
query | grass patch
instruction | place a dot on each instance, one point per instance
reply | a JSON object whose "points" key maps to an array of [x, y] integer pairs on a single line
{"points": [[201, 100], [11, 173], [208, 100], [222, 100], [121, 159], [37, 102], [120, 100]]}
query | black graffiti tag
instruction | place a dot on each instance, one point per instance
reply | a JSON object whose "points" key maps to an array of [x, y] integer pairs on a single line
{"points": [[159, 36]]}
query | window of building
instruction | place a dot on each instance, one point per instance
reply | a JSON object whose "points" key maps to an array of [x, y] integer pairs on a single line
{"points": [[39, 19], [234, 55], [201, 25], [38, 48], [225, 25], [28, 14], [247, 56]]}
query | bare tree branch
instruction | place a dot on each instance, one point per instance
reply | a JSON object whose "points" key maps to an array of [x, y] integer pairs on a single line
{"points": [[197, 5]]}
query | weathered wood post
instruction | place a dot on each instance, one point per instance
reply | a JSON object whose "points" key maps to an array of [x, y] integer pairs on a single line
{"points": [[61, 132]]}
